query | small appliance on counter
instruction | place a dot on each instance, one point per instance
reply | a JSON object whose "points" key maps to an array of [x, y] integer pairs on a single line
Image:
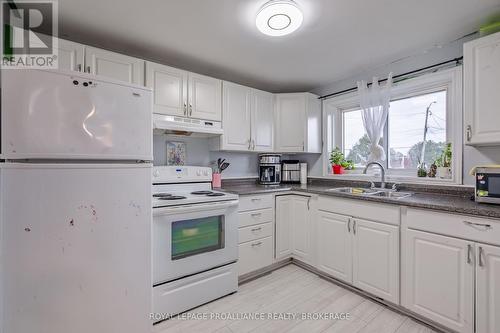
{"points": [[487, 184], [290, 171], [269, 169]]}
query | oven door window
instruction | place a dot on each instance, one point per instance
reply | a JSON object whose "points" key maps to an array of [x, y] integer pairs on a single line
{"points": [[191, 237]]}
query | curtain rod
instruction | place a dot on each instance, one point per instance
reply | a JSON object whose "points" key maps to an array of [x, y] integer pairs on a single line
{"points": [[456, 60]]}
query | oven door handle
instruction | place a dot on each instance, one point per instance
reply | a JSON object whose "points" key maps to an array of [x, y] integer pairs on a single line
{"points": [[194, 207]]}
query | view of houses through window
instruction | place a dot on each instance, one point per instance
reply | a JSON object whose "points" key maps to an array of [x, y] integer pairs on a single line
{"points": [[410, 120]]}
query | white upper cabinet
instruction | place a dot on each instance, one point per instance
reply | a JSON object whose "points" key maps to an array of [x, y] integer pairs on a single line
{"points": [[481, 90], [376, 258], [114, 65], [248, 116], [487, 288], [70, 55], [236, 117], [169, 89], [298, 123], [204, 94], [179, 93], [262, 121], [440, 279]]}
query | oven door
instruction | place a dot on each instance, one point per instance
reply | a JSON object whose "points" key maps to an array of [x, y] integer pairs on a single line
{"points": [[193, 238]]}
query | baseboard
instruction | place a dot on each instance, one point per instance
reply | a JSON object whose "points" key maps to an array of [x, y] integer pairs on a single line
{"points": [[396, 308], [263, 271]]}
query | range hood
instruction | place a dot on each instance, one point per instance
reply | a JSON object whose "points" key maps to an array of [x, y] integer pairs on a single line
{"points": [[163, 124]]}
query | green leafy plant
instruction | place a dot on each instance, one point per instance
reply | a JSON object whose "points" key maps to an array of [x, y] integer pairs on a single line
{"points": [[337, 158], [444, 160]]}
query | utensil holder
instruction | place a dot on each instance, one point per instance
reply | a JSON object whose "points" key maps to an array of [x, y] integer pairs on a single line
{"points": [[216, 180]]}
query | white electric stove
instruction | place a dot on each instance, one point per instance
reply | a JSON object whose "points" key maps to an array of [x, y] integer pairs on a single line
{"points": [[195, 239]]}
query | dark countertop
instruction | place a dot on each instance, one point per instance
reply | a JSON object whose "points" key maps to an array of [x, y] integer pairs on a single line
{"points": [[446, 199]]}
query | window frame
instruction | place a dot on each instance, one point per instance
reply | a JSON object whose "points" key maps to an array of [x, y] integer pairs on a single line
{"points": [[447, 79]]}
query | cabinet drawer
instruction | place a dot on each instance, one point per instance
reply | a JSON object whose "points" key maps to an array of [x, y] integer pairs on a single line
{"points": [[255, 254], [461, 226], [382, 212], [254, 232], [252, 202], [255, 217]]}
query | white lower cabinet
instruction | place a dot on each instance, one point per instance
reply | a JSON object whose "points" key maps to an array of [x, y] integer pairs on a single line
{"points": [[334, 245], [255, 233], [294, 227], [487, 288], [440, 279], [360, 252], [376, 258]]}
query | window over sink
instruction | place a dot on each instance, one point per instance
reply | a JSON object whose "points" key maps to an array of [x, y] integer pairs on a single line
{"points": [[427, 106]]}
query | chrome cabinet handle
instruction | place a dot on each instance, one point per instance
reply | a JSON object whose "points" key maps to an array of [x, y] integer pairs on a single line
{"points": [[469, 132], [469, 250], [190, 109], [308, 203], [303, 146], [354, 227], [253, 144], [255, 199], [474, 224], [257, 244], [480, 257], [255, 214], [79, 67], [185, 108], [250, 146], [256, 229], [349, 225], [88, 69]]}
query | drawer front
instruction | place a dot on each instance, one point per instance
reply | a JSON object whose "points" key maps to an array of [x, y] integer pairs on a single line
{"points": [[461, 226], [254, 232], [255, 255], [253, 202], [255, 217], [382, 212]]}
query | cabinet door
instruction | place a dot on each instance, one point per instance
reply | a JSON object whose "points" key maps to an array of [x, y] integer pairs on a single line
{"points": [[70, 55], [262, 121], [290, 122], [301, 228], [440, 279], [205, 97], [334, 245], [114, 65], [481, 87], [487, 288], [236, 112], [169, 89], [284, 217], [376, 259]]}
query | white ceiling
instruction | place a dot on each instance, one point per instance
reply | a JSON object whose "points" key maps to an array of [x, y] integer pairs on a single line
{"points": [[218, 37]]}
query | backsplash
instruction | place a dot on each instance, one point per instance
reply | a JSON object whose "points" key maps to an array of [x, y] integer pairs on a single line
{"points": [[197, 153]]}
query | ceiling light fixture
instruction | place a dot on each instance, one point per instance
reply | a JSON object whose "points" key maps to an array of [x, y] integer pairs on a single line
{"points": [[279, 18]]}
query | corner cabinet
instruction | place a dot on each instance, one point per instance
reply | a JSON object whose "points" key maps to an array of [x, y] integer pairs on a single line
{"points": [[70, 55], [481, 87], [298, 123], [180, 93], [247, 119]]}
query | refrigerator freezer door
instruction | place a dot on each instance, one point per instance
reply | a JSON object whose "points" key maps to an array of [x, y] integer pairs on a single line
{"points": [[76, 248], [68, 115]]}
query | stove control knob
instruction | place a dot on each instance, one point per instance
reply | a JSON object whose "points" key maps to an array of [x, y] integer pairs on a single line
{"points": [[156, 173], [205, 172], [198, 173]]}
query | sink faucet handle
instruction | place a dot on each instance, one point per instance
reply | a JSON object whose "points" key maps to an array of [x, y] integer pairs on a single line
{"points": [[372, 184], [395, 186]]}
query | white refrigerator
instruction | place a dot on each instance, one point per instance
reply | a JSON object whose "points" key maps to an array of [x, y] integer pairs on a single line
{"points": [[76, 215]]}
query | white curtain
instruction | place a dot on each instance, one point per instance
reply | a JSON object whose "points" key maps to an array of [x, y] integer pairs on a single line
{"points": [[374, 102]]}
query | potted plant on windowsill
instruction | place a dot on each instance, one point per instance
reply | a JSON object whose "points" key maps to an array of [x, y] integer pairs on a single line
{"points": [[443, 163], [339, 162]]}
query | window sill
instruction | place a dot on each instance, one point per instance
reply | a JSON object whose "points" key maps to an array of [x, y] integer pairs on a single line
{"points": [[391, 179]]}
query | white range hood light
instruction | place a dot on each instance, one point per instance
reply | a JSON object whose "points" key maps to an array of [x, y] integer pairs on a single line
{"points": [[163, 124], [279, 18]]}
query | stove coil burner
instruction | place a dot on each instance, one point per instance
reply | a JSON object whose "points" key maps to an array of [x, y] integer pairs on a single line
{"points": [[215, 194], [201, 192], [172, 197], [161, 195]]}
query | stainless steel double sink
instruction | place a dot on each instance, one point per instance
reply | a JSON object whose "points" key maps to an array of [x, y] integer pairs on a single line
{"points": [[376, 192]]}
